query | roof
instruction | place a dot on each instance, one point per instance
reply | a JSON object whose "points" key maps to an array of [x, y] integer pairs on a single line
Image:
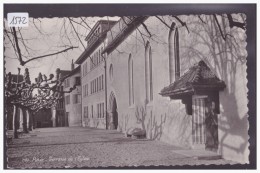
{"points": [[98, 40], [64, 72], [96, 25], [122, 29], [90, 49], [198, 77], [76, 70]]}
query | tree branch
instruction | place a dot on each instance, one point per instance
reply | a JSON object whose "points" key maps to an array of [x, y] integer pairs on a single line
{"points": [[163, 22], [201, 19], [17, 47], [181, 22], [145, 27], [65, 50], [76, 33], [233, 23]]}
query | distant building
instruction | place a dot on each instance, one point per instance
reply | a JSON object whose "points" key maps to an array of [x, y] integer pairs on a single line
{"points": [[73, 99], [58, 112], [42, 118], [93, 76]]}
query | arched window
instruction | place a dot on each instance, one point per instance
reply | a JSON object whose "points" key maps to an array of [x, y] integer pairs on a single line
{"points": [[174, 58], [111, 72], [148, 72], [131, 80]]}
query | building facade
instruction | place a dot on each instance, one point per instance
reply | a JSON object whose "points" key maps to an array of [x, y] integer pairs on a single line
{"points": [[58, 112], [73, 99], [181, 79], [93, 76], [42, 118], [183, 83]]}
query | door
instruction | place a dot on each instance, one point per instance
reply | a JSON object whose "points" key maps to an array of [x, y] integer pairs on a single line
{"points": [[211, 123], [113, 115], [67, 119], [198, 122], [204, 124]]}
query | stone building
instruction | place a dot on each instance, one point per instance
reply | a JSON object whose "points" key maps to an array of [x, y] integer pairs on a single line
{"points": [[73, 99], [58, 115], [42, 118], [182, 79], [93, 76]]}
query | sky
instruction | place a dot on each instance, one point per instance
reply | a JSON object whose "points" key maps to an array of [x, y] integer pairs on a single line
{"points": [[45, 36]]}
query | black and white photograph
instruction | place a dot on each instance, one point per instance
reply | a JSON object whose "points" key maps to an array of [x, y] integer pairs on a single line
{"points": [[101, 86]]}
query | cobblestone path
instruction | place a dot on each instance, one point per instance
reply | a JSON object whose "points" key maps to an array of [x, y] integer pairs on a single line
{"points": [[70, 147]]}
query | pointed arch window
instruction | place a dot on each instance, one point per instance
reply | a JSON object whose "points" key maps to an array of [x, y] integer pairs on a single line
{"points": [[174, 55], [130, 80], [148, 72]]}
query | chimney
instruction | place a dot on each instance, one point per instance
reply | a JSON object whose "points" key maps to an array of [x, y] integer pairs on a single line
{"points": [[72, 65]]}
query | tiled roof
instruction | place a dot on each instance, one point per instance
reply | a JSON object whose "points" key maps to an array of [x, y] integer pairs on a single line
{"points": [[74, 71], [197, 77], [64, 72], [121, 30]]}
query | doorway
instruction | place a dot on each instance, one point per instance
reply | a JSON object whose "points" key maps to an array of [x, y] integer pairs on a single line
{"points": [[204, 124], [113, 116], [67, 119]]}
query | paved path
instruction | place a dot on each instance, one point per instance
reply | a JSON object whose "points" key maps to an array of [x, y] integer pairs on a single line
{"points": [[67, 147]]}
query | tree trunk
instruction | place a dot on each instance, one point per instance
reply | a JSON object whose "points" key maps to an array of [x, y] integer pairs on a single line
{"points": [[8, 118], [25, 129], [30, 121], [33, 121], [15, 121]]}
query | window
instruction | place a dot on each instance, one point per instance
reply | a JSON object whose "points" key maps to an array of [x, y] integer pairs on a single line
{"points": [[174, 57], [102, 82], [91, 87], [83, 71], [76, 98], [86, 88], [130, 80], [96, 85], [86, 68], [99, 86], [95, 81], [99, 57], [100, 110], [111, 72], [103, 110], [86, 111], [102, 58], [91, 63], [67, 99], [148, 72], [77, 81], [67, 83], [92, 111]]}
